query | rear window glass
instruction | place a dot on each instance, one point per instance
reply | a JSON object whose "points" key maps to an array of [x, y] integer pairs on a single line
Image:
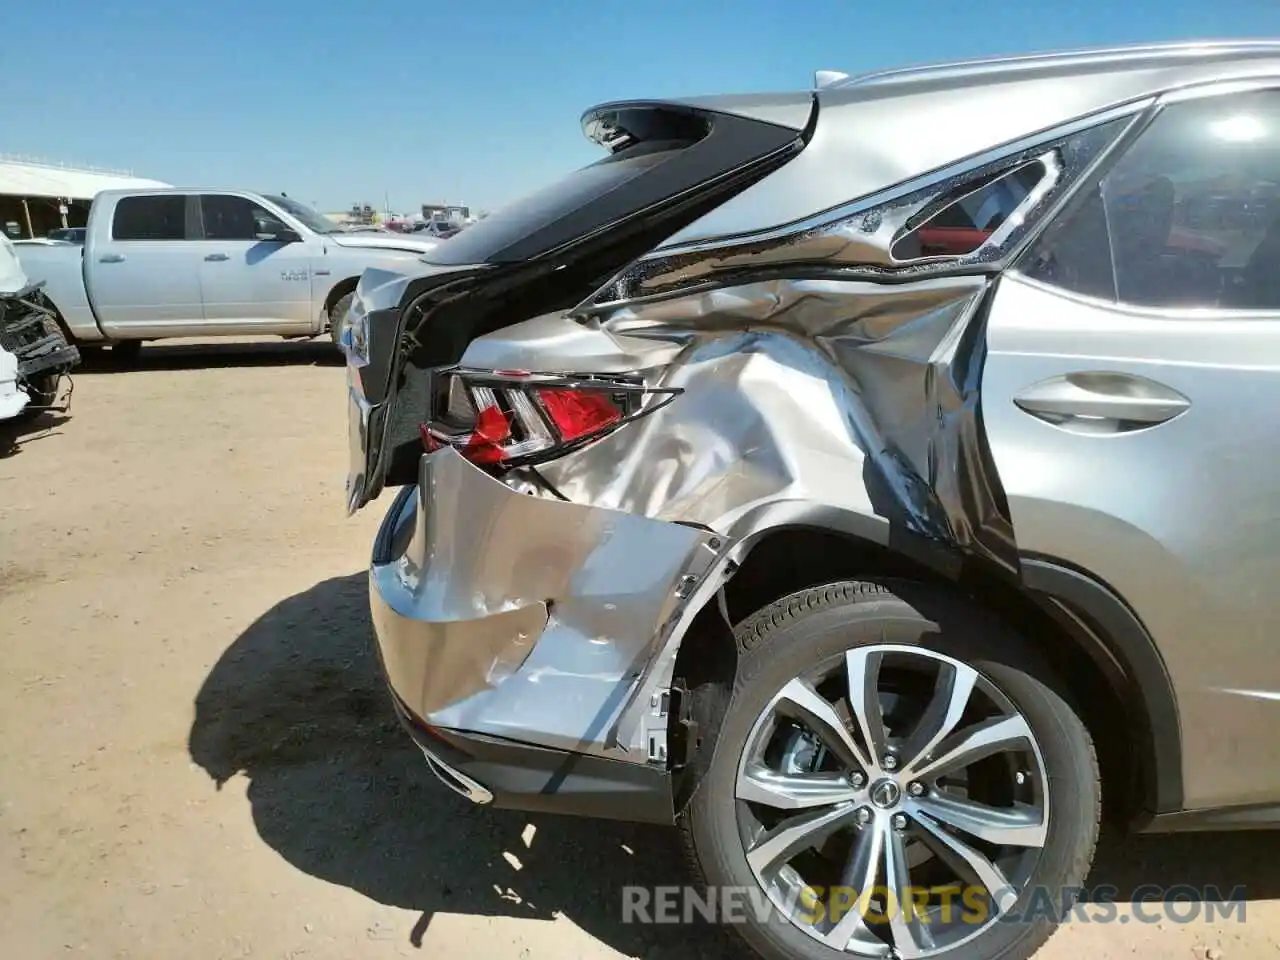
{"points": [[486, 240], [161, 217]]}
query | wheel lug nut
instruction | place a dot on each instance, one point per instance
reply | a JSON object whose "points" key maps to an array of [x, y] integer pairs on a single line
{"points": [[899, 821], [916, 789], [890, 762], [857, 780], [864, 815]]}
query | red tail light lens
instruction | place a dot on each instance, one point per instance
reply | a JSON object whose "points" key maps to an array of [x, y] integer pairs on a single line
{"points": [[578, 413], [511, 417]]}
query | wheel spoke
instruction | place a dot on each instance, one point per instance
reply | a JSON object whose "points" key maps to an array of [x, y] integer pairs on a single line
{"points": [[804, 703], [1017, 826], [795, 834], [860, 873], [955, 850], [979, 741], [783, 791], [816, 757], [910, 929], [950, 698], [863, 671]]}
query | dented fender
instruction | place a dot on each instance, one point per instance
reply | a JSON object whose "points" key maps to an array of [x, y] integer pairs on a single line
{"points": [[844, 405]]}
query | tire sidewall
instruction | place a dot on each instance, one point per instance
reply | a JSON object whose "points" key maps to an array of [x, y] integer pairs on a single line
{"points": [[770, 658], [338, 317]]}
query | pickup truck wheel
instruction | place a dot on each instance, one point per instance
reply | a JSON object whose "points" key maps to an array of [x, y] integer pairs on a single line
{"points": [[885, 746], [338, 318]]}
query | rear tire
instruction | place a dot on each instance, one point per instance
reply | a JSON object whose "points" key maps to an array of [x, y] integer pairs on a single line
{"points": [[338, 317], [898, 626]]}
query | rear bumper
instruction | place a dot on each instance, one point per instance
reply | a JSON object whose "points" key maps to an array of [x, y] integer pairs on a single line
{"points": [[519, 776], [519, 630]]}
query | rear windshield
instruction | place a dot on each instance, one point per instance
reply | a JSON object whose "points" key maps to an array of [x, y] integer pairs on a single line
{"points": [[489, 239]]}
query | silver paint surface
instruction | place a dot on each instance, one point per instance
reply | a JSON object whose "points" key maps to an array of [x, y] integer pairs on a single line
{"points": [[862, 241], [1181, 519], [871, 135], [520, 616], [839, 404], [851, 404]]}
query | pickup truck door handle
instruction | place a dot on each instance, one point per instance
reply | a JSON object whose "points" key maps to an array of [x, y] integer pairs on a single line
{"points": [[111, 258], [1125, 400], [217, 256]]}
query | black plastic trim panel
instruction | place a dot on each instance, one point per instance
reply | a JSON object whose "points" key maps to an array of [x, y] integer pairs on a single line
{"points": [[708, 146], [539, 780], [1252, 817], [1128, 641]]}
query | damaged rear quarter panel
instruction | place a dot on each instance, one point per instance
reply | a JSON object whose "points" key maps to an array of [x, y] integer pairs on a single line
{"points": [[521, 616], [840, 404], [822, 383]]}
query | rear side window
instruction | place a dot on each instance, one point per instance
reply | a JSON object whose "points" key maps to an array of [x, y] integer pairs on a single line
{"points": [[1188, 218], [160, 217], [969, 216]]}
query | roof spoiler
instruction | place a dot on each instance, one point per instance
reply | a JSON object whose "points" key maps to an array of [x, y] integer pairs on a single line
{"points": [[619, 124]]}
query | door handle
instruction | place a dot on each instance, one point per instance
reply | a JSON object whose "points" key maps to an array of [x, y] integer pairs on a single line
{"points": [[1121, 400], [111, 258], [217, 256]]}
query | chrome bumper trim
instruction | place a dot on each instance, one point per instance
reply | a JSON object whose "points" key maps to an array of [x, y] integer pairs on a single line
{"points": [[458, 782]]}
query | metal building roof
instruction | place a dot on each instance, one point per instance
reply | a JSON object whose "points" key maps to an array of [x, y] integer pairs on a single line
{"points": [[24, 179]]}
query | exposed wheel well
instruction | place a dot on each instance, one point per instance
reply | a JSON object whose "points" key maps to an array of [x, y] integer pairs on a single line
{"points": [[340, 290], [793, 559]]}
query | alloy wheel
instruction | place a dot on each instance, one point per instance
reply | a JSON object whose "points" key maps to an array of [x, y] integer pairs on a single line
{"points": [[892, 802]]}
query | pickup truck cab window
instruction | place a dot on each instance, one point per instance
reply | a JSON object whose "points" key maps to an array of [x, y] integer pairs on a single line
{"points": [[145, 217], [309, 218], [229, 217]]}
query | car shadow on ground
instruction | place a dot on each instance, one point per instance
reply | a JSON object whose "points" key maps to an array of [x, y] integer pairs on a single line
{"points": [[19, 431], [297, 705], [205, 355]]}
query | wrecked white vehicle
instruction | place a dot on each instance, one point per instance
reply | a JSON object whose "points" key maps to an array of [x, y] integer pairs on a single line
{"points": [[13, 399], [859, 479], [34, 353]]}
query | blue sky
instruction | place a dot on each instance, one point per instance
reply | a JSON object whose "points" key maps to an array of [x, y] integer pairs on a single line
{"points": [[471, 100]]}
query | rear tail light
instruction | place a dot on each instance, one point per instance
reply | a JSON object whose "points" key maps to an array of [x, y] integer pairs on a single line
{"points": [[511, 417]]}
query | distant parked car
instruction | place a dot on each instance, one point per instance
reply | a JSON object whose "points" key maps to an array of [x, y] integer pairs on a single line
{"points": [[437, 228]]}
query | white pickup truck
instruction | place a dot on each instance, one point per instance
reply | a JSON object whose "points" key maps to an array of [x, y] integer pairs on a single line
{"points": [[203, 263]]}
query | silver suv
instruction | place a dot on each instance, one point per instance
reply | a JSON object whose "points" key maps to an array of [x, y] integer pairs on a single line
{"points": [[878, 482]]}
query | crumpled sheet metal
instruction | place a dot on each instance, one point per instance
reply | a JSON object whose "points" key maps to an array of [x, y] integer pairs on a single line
{"points": [[848, 395], [838, 404], [525, 617], [862, 239]]}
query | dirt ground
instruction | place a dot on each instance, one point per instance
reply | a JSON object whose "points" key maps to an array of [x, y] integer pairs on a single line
{"points": [[197, 758]]}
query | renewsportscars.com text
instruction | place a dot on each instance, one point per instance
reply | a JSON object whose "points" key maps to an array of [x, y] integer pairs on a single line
{"points": [[1149, 903]]}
